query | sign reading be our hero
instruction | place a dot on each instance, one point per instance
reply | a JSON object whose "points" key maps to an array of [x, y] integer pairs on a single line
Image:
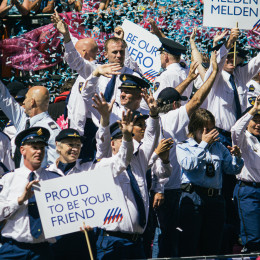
{"points": [[65, 203], [142, 47], [226, 13]]}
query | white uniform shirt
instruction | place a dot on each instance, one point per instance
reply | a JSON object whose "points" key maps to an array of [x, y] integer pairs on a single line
{"points": [[174, 125], [174, 75], [5, 153], [17, 226], [220, 101], [139, 165], [250, 148], [253, 90], [16, 114]]}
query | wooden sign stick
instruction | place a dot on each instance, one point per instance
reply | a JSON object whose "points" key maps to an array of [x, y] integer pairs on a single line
{"points": [[235, 49], [88, 242]]}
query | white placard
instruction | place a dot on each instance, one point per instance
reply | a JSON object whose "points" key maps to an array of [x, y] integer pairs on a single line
{"points": [[143, 46], [226, 13], [64, 203]]}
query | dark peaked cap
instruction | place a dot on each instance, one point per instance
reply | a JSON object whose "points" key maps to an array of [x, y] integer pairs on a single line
{"points": [[168, 95], [171, 46], [68, 133], [133, 82], [32, 135]]}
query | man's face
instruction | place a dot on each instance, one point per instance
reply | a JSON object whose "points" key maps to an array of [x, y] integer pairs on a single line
{"points": [[162, 57], [254, 125], [116, 144], [69, 149], [27, 103], [33, 154], [138, 130], [130, 98], [229, 63], [115, 53]]}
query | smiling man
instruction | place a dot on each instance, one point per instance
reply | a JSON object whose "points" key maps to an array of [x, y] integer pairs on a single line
{"points": [[22, 234]]}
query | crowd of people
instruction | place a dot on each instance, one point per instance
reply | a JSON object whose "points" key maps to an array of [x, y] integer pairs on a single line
{"points": [[184, 150]]}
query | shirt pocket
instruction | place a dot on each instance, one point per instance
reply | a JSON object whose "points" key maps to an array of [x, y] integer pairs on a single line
{"points": [[227, 96], [216, 159]]}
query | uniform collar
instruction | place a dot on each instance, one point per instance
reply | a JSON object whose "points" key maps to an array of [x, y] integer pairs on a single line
{"points": [[37, 118], [27, 172], [173, 65], [192, 142]]}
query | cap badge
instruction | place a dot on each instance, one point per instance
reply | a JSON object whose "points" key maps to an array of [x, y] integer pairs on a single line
{"points": [[124, 78], [39, 132]]}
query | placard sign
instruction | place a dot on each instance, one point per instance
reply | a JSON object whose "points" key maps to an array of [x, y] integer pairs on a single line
{"points": [[226, 13], [142, 47], [64, 203]]}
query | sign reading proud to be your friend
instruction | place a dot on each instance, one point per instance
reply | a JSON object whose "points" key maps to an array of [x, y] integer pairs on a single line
{"points": [[65, 203], [142, 47], [226, 13]]}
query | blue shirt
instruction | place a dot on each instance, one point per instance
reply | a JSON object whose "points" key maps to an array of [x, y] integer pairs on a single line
{"points": [[193, 157]]}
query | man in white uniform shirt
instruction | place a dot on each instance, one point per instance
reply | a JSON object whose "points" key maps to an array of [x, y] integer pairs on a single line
{"points": [[175, 71], [22, 234]]}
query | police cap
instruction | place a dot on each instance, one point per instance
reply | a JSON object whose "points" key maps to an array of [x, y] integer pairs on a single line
{"points": [[168, 95], [139, 115], [115, 131], [32, 135], [133, 82], [68, 133], [171, 46]]}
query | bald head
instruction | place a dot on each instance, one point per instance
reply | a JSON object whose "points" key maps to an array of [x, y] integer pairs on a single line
{"points": [[87, 48], [36, 101]]}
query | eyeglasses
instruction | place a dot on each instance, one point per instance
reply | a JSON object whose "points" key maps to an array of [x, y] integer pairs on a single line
{"points": [[73, 145]]}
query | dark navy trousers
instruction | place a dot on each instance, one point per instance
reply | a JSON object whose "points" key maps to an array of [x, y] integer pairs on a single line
{"points": [[247, 199], [12, 249], [202, 223], [111, 247]]}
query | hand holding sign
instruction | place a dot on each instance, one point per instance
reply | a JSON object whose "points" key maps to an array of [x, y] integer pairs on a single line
{"points": [[234, 34]]}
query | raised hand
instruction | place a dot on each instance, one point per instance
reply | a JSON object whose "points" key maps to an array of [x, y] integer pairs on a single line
{"points": [[219, 36], [235, 150], [127, 124], [119, 32], [154, 28], [59, 24], [163, 149], [150, 101], [193, 34], [192, 74], [103, 108], [232, 38], [28, 192], [211, 136], [107, 70]]}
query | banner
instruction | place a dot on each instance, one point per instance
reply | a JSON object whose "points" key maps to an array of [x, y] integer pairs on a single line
{"points": [[142, 47], [226, 13], [65, 203]]}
